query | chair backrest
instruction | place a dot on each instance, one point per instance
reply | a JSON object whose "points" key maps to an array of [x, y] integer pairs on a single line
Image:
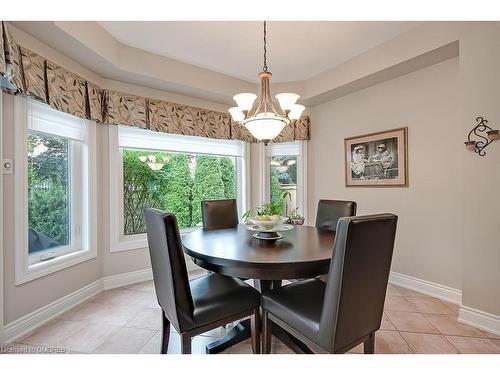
{"points": [[169, 268], [357, 280], [219, 214], [330, 211]]}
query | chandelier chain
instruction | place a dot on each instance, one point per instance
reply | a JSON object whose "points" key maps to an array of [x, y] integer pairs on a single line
{"points": [[265, 48]]}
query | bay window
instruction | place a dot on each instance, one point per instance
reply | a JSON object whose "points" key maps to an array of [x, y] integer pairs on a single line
{"points": [[285, 176], [170, 172]]}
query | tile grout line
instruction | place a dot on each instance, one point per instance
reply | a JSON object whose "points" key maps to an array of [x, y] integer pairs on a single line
{"points": [[143, 345], [474, 337], [453, 346], [407, 344]]}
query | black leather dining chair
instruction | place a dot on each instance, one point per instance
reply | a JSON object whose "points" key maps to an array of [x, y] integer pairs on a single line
{"points": [[335, 316], [330, 211], [219, 214], [328, 214], [196, 306]]}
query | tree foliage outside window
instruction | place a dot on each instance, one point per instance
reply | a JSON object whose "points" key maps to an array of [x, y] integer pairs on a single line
{"points": [[276, 190], [283, 179], [178, 187], [48, 191]]}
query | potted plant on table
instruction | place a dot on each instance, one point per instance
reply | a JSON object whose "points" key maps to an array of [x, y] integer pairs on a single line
{"points": [[272, 211]]}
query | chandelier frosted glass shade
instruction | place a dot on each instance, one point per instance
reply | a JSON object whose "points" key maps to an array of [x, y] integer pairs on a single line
{"points": [[296, 111], [287, 100], [236, 114], [245, 101], [265, 126]]}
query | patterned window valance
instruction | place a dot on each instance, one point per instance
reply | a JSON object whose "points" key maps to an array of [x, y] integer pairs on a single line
{"points": [[33, 69], [125, 109], [66, 91], [12, 58], [3, 63], [28, 73], [95, 97], [180, 119]]}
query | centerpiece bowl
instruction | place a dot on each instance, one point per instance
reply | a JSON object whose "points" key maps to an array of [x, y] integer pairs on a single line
{"points": [[267, 227], [268, 223]]}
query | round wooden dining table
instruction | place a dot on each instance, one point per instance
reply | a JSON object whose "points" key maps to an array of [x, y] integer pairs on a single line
{"points": [[303, 252]]}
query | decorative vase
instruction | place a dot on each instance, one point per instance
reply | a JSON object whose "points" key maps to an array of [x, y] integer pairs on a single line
{"points": [[296, 220]]}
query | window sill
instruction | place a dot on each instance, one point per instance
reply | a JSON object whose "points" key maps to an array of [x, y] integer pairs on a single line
{"points": [[48, 267], [139, 241]]}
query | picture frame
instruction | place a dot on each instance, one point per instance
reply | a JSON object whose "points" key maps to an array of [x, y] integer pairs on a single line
{"points": [[377, 159]]}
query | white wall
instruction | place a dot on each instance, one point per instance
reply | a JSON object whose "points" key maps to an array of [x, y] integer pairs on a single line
{"points": [[427, 102]]}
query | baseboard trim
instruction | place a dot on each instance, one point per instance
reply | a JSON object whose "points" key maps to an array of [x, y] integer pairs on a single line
{"points": [[32, 321], [426, 287], [122, 279], [479, 319]]}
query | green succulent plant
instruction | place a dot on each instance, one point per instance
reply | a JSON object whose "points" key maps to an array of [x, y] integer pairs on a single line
{"points": [[270, 208]]}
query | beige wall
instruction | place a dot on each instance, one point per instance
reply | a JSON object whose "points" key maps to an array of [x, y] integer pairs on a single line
{"points": [[480, 96], [427, 102]]}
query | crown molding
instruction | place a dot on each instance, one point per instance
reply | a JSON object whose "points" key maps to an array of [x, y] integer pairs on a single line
{"points": [[101, 54]]}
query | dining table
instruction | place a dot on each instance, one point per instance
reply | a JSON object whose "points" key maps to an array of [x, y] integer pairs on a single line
{"points": [[302, 252]]}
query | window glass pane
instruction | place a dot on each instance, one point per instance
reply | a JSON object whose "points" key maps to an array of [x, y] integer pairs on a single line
{"points": [[174, 182], [48, 192], [283, 178]]}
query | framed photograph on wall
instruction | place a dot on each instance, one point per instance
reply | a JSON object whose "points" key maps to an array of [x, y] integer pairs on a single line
{"points": [[377, 159]]}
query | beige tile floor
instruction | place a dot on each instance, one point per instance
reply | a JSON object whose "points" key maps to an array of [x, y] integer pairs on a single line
{"points": [[128, 320]]}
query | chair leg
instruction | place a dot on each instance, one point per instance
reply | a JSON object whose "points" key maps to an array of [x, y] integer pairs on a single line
{"points": [[369, 344], [255, 327], [186, 343], [165, 337], [266, 333]]}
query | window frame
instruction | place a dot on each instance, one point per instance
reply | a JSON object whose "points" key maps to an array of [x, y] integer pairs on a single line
{"points": [[143, 139], [82, 184], [294, 148], [75, 190]]}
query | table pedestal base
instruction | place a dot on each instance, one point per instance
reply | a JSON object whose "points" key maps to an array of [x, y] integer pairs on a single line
{"points": [[242, 332]]}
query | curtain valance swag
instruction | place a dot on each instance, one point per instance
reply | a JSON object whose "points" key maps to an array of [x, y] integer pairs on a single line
{"points": [[25, 72]]}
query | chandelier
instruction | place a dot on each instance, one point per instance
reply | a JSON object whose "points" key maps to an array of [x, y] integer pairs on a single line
{"points": [[283, 165], [153, 162], [262, 120]]}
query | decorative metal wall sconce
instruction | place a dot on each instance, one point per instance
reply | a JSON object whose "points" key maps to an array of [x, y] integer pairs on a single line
{"points": [[481, 141]]}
